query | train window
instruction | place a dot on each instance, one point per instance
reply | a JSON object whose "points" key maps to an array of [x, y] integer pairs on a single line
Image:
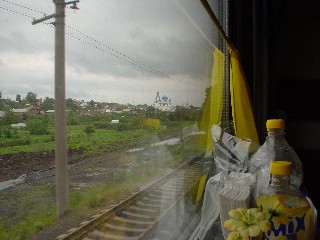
{"points": [[138, 76]]}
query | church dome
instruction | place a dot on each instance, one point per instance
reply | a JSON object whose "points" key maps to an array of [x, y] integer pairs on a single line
{"points": [[165, 98]]}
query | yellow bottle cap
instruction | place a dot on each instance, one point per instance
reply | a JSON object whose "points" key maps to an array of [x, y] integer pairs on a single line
{"points": [[275, 123], [281, 167]]}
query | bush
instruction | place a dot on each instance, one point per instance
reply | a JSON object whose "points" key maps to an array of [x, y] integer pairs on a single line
{"points": [[103, 125], [73, 118], [9, 118], [122, 126], [15, 142], [8, 133], [137, 122], [38, 126], [89, 129], [151, 123], [88, 119]]}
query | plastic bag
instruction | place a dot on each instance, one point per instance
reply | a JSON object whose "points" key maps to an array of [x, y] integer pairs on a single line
{"points": [[231, 157], [230, 153]]}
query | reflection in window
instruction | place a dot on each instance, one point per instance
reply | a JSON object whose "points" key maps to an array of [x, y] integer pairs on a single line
{"points": [[138, 82]]}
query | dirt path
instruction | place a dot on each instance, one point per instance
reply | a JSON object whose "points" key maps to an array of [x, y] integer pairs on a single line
{"points": [[14, 165]]}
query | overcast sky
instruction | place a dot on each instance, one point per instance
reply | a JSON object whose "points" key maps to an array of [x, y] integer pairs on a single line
{"points": [[116, 50]]}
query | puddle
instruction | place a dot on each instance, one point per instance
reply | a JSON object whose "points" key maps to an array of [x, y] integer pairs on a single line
{"points": [[197, 133], [171, 141], [135, 150], [12, 183]]}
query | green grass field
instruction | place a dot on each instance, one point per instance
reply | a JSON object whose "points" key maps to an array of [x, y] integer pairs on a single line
{"points": [[98, 142], [93, 143]]}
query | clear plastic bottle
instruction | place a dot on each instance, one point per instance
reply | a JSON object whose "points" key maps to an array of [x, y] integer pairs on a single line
{"points": [[294, 215], [275, 147]]}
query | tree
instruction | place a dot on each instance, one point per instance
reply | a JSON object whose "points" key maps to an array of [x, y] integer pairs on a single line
{"points": [[48, 104], [92, 104], [150, 112], [18, 98], [31, 98], [72, 105]]}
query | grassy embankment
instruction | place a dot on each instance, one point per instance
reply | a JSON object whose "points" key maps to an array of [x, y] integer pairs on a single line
{"points": [[84, 201]]}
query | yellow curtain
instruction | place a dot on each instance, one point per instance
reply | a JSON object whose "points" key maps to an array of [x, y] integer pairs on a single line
{"points": [[242, 115], [212, 112]]}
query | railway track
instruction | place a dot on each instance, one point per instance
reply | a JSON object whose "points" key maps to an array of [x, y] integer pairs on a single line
{"points": [[151, 213]]}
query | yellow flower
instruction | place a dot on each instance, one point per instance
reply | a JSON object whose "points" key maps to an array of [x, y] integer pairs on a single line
{"points": [[281, 238], [248, 222], [236, 236], [276, 211]]}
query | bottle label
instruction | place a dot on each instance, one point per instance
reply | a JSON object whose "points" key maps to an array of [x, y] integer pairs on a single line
{"points": [[298, 223]]}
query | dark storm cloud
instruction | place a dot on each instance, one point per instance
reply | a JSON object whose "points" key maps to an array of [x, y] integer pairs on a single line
{"points": [[110, 40], [150, 37]]}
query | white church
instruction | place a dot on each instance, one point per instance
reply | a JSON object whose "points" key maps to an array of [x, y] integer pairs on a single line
{"points": [[163, 103]]}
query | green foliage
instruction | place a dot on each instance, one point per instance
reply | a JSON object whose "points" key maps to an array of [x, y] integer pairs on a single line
{"points": [[28, 226], [31, 98], [137, 122], [89, 119], [8, 133], [106, 136], [9, 118], [92, 104], [89, 129], [18, 98], [153, 124], [72, 105], [48, 104], [151, 111], [38, 125], [103, 125], [123, 183], [73, 118], [122, 126], [14, 142]]}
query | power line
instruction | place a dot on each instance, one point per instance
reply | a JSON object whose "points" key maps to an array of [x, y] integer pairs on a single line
{"points": [[130, 62], [22, 14], [126, 58], [119, 55], [18, 5]]}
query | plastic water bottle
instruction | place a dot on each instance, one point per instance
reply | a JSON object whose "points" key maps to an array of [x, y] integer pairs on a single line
{"points": [[289, 211], [274, 148]]}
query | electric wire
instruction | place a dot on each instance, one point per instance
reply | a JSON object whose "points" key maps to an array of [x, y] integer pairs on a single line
{"points": [[112, 49], [119, 55], [18, 5], [10, 10], [127, 58]]}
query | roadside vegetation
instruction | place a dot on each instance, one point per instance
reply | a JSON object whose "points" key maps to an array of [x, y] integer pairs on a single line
{"points": [[82, 202], [93, 133]]}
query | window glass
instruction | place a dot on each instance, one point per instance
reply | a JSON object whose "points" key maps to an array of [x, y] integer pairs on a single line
{"points": [[138, 76]]}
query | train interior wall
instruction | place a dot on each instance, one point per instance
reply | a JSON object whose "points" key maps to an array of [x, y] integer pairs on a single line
{"points": [[279, 43]]}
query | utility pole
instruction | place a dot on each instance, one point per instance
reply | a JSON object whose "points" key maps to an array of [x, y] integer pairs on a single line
{"points": [[61, 161]]}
